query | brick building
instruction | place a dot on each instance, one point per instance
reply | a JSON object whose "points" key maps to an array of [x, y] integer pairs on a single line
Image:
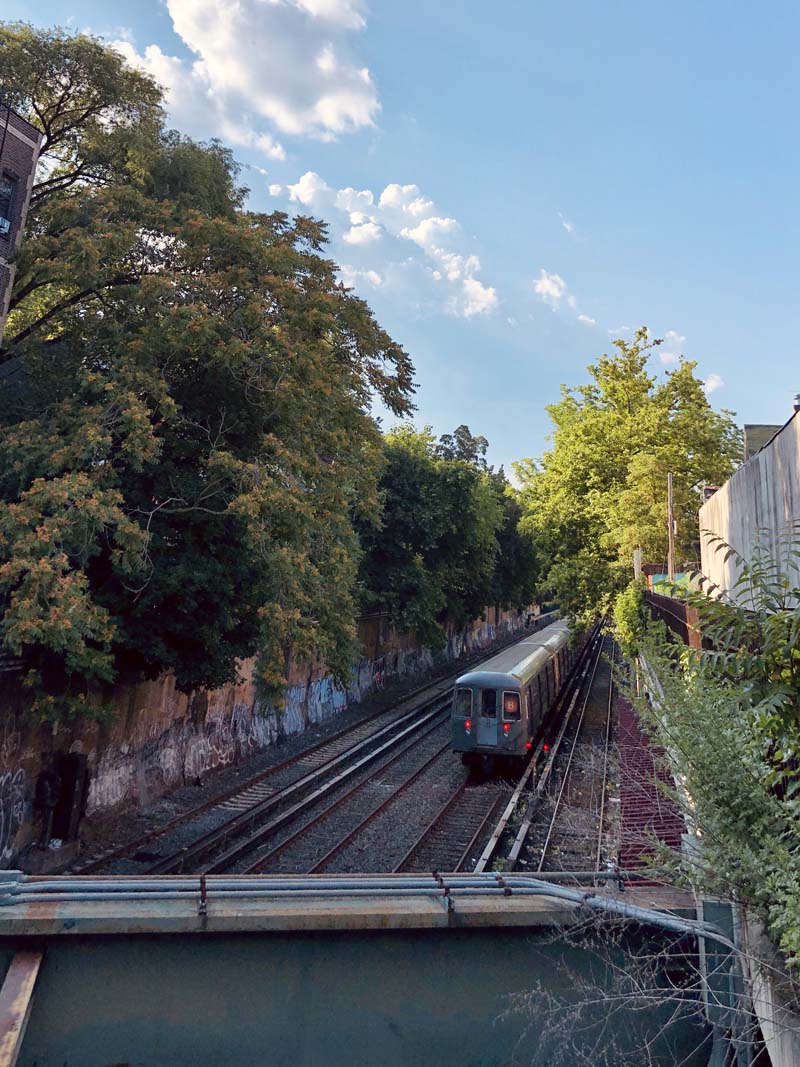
{"points": [[19, 153]]}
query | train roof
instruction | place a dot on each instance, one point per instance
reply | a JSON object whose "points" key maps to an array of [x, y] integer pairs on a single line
{"points": [[519, 663]]}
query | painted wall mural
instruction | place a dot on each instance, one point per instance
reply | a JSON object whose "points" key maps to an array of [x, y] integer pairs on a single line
{"points": [[160, 738]]}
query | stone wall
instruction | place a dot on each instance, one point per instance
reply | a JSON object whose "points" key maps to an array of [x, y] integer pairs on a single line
{"points": [[761, 499], [157, 738]]}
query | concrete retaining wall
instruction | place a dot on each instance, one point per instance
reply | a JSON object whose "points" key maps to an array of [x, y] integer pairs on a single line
{"points": [[157, 738], [760, 500]]}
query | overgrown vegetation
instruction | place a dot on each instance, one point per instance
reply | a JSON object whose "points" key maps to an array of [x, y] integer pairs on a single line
{"points": [[730, 718], [630, 617], [601, 490], [448, 542]]}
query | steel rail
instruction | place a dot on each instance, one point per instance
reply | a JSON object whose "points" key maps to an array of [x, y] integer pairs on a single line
{"points": [[574, 690], [137, 843], [606, 746], [490, 813], [217, 800], [449, 805], [239, 824], [237, 851], [565, 776], [258, 866], [320, 865]]}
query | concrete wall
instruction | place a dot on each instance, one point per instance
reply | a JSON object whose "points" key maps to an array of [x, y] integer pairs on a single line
{"points": [[431, 998], [762, 497], [157, 738]]}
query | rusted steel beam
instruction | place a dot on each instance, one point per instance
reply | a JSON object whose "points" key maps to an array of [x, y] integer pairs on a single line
{"points": [[16, 1000]]}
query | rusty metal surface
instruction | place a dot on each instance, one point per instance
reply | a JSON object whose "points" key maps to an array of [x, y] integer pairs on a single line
{"points": [[16, 1001]]}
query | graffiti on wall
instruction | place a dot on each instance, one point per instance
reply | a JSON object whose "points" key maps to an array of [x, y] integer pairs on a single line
{"points": [[177, 745], [12, 810], [179, 754]]}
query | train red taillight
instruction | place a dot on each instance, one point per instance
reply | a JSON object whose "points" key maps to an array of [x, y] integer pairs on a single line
{"points": [[468, 725], [506, 727]]}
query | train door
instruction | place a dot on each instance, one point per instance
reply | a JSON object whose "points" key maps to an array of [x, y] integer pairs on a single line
{"points": [[487, 719]]}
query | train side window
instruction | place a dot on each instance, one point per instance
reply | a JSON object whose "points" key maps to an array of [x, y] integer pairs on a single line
{"points": [[511, 706], [463, 705], [489, 704]]}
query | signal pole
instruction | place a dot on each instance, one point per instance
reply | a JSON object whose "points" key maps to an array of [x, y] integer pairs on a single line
{"points": [[671, 531]]}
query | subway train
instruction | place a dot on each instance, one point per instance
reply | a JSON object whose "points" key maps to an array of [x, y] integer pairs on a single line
{"points": [[500, 707]]}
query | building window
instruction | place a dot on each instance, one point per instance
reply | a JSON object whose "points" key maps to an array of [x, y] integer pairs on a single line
{"points": [[8, 186]]}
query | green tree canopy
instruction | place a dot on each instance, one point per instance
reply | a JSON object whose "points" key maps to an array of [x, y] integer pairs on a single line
{"points": [[447, 544], [185, 437], [600, 490]]}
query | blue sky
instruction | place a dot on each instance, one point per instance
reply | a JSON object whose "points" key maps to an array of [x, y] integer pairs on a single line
{"points": [[510, 186]]}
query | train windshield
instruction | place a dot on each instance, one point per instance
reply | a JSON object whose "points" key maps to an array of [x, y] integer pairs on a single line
{"points": [[511, 706], [489, 704], [463, 703]]}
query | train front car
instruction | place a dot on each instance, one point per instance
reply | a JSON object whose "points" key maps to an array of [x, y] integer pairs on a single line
{"points": [[499, 708]]}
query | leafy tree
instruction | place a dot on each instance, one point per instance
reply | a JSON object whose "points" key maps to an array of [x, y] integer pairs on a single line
{"points": [[600, 490], [460, 444], [184, 402], [434, 553], [516, 572]]}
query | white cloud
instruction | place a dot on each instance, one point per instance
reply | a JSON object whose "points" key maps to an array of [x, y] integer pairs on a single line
{"points": [[568, 226], [275, 190], [363, 234], [354, 200], [477, 298], [344, 12], [401, 213], [310, 191], [550, 288], [587, 320], [406, 199], [712, 383], [351, 275], [429, 233], [675, 341], [264, 65], [617, 331]]}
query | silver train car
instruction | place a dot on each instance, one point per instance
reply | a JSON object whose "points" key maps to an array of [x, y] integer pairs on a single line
{"points": [[499, 708]]}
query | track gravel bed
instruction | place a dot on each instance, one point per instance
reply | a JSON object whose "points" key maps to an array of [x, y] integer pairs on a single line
{"points": [[355, 804], [574, 836], [386, 839], [106, 834]]}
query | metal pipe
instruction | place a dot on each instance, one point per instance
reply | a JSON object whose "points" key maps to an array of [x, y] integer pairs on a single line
{"points": [[23, 891]]}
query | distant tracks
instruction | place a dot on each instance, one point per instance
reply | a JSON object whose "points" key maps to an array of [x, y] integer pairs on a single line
{"points": [[457, 830]]}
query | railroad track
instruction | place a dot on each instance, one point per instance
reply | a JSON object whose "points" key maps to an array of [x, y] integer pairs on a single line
{"points": [[357, 808], [455, 839], [575, 834], [226, 846], [448, 840], [255, 796]]}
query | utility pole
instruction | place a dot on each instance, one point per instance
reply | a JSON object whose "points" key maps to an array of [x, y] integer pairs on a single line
{"points": [[671, 530]]}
